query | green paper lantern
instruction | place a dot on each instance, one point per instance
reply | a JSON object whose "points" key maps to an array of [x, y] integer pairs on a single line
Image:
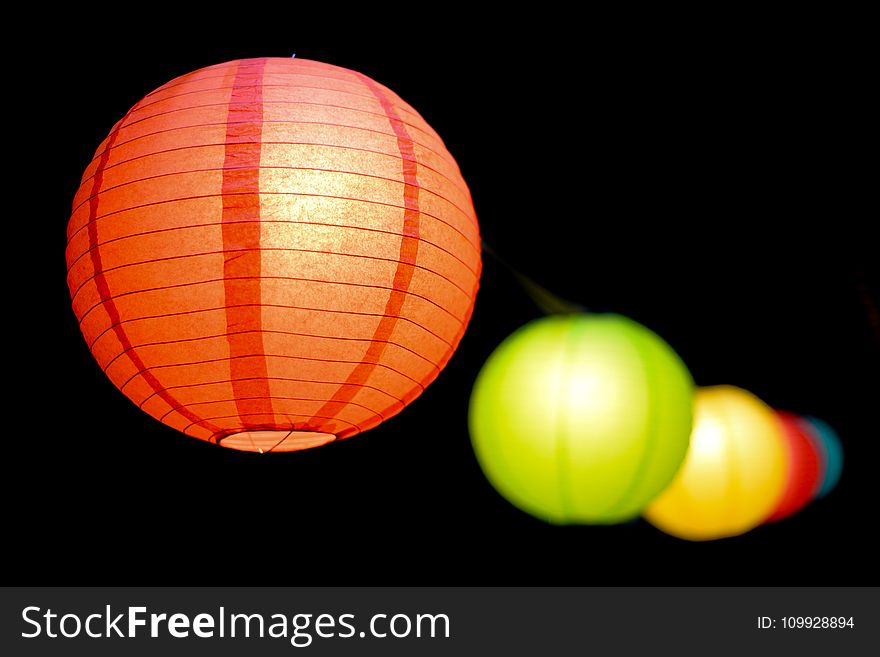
{"points": [[582, 418]]}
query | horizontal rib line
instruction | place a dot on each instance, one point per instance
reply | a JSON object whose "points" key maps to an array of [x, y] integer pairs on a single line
{"points": [[184, 78], [341, 198], [232, 66], [263, 168], [285, 356], [265, 142], [269, 221], [261, 250], [175, 82], [261, 86], [284, 278], [291, 333], [305, 417], [202, 384], [257, 62], [305, 64], [251, 86], [232, 400], [260, 305], [282, 102], [170, 85], [350, 79], [273, 248], [191, 198], [446, 157], [287, 415]]}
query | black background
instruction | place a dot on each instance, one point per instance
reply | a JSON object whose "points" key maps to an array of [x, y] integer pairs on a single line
{"points": [[702, 180]]}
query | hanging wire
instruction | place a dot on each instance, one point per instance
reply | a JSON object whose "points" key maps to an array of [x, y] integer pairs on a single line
{"points": [[545, 300]]}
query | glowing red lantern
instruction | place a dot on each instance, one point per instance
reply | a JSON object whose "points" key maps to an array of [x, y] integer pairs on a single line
{"points": [[802, 468], [270, 254]]}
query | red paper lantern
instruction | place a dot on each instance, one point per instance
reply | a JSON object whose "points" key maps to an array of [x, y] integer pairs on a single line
{"points": [[270, 254], [802, 468]]}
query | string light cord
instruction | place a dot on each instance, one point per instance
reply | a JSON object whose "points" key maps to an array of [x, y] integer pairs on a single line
{"points": [[546, 301]]}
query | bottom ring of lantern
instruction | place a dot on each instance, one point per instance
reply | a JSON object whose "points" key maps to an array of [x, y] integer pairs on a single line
{"points": [[264, 441]]}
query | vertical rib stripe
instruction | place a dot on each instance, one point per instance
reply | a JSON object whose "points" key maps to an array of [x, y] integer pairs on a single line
{"points": [[106, 296], [647, 354], [409, 249], [242, 258]]}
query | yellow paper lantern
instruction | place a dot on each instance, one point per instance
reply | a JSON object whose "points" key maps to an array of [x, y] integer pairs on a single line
{"points": [[734, 473], [581, 418]]}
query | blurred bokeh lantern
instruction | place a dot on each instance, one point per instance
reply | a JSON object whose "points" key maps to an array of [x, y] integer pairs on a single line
{"points": [[802, 468], [830, 450], [270, 254], [734, 472], [581, 418]]}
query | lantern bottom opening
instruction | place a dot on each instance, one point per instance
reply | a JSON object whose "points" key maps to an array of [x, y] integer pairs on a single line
{"points": [[275, 440]]}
